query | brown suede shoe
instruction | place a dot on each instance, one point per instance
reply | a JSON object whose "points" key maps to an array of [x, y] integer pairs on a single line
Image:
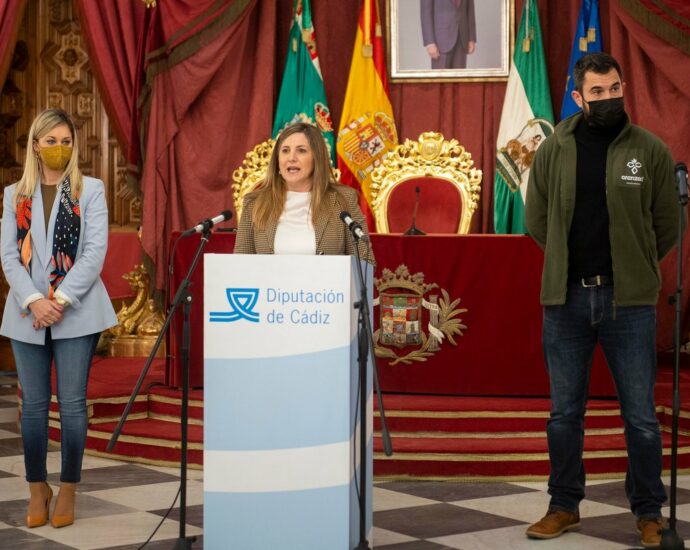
{"points": [[650, 531], [553, 524]]}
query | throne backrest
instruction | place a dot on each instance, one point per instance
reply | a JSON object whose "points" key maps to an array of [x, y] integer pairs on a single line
{"points": [[252, 172], [449, 186]]}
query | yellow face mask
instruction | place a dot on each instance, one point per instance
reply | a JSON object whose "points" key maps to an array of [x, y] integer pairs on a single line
{"points": [[56, 157]]}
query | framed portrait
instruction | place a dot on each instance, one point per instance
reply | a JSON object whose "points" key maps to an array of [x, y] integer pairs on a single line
{"points": [[449, 40]]}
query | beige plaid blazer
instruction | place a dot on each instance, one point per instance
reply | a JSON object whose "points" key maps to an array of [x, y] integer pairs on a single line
{"points": [[332, 236]]}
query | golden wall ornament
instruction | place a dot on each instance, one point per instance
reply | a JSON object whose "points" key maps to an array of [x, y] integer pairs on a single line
{"points": [[434, 157], [139, 323], [253, 171], [403, 305]]}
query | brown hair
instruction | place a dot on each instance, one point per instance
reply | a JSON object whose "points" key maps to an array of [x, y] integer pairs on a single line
{"points": [[271, 193]]}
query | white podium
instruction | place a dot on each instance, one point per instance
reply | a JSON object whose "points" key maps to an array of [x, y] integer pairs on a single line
{"points": [[281, 422]]}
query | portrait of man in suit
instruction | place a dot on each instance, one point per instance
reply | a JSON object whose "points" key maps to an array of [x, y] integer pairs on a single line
{"points": [[449, 39], [449, 32]]}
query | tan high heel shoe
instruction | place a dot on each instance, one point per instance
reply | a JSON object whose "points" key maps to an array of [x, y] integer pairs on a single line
{"points": [[41, 494], [63, 514]]}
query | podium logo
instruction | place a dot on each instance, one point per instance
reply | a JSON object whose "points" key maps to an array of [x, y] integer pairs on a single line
{"points": [[242, 302]]}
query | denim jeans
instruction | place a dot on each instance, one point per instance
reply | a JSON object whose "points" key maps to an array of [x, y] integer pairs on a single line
{"points": [[72, 363], [628, 338]]}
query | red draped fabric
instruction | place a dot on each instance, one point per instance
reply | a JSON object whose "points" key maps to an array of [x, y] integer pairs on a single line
{"points": [[657, 96], [210, 83], [112, 32], [11, 13], [500, 350]]}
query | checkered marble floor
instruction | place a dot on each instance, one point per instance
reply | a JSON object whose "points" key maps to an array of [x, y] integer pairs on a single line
{"points": [[119, 504]]}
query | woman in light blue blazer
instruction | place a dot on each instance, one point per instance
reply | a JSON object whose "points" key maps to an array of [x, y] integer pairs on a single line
{"points": [[53, 242]]}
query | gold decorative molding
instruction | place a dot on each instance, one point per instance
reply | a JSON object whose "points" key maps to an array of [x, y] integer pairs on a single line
{"points": [[251, 173], [140, 322], [432, 156]]}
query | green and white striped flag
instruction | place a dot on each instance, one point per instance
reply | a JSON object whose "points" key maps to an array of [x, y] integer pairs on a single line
{"points": [[302, 96], [526, 120]]}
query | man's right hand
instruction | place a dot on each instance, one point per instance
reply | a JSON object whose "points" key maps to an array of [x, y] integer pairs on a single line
{"points": [[432, 50]]}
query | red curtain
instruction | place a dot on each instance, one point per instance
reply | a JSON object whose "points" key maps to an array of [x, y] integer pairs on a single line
{"points": [[658, 98], [11, 13], [112, 32], [211, 97]]}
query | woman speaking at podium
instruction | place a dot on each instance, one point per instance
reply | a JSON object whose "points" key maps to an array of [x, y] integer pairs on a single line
{"points": [[54, 238], [296, 210]]}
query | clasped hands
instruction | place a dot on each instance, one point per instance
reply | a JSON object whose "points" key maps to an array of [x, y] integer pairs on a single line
{"points": [[46, 312]]}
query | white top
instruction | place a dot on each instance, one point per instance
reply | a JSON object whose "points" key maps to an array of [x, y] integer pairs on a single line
{"points": [[295, 232]]}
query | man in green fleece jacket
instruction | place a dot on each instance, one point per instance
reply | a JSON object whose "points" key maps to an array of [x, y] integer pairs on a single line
{"points": [[602, 203]]}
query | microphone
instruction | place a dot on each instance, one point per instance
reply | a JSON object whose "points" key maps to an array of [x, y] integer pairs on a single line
{"points": [[353, 226], [208, 223], [682, 182], [413, 228]]}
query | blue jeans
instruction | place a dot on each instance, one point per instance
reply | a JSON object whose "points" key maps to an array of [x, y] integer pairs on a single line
{"points": [[72, 363], [628, 338]]}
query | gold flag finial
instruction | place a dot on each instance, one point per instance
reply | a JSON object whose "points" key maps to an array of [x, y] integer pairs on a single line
{"points": [[149, 3]]}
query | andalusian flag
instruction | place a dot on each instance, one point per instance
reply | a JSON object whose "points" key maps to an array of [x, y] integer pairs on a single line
{"points": [[367, 127], [526, 120], [587, 40], [302, 95]]}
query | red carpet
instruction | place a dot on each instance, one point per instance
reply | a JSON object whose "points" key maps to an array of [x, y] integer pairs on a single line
{"points": [[434, 437]]}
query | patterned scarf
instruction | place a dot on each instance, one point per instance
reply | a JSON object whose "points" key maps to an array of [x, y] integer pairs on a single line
{"points": [[65, 235]]}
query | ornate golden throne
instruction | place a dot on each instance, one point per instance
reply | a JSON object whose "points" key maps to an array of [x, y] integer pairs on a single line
{"points": [[449, 186]]}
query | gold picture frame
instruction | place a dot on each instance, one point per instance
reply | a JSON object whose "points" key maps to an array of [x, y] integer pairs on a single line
{"points": [[410, 21]]}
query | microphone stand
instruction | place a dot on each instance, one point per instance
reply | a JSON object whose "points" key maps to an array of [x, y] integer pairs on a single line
{"points": [[670, 540], [413, 228], [182, 296], [365, 342]]}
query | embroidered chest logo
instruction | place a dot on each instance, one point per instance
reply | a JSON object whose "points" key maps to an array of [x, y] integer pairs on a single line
{"points": [[634, 166], [404, 300]]}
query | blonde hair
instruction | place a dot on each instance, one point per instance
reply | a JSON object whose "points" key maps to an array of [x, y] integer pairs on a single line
{"points": [[42, 124], [271, 194]]}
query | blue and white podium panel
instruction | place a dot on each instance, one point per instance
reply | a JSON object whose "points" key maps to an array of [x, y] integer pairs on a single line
{"points": [[281, 422]]}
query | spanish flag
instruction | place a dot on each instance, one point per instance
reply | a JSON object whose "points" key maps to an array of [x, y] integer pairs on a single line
{"points": [[367, 127]]}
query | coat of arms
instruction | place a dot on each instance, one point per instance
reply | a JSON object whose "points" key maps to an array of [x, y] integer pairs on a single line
{"points": [[407, 306]]}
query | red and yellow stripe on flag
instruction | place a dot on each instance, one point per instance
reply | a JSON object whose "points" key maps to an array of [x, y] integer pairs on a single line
{"points": [[367, 126]]}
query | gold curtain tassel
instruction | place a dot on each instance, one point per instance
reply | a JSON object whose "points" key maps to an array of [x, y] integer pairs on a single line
{"points": [[306, 35], [294, 45], [379, 32], [367, 50], [592, 34], [525, 45], [583, 44]]}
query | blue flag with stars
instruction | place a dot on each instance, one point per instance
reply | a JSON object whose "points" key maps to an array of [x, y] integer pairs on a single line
{"points": [[587, 40]]}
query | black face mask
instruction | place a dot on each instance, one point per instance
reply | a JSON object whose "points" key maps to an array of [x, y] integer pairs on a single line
{"points": [[605, 113]]}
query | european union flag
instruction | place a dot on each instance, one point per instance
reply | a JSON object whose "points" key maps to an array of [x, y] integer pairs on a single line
{"points": [[587, 40]]}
